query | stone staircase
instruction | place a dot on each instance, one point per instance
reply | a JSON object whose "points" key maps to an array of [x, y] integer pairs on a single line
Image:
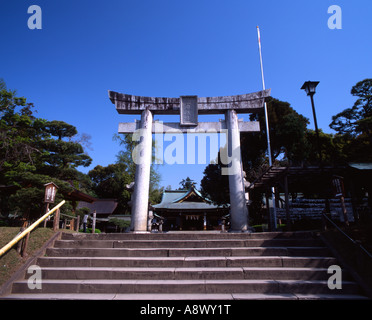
{"points": [[187, 265]]}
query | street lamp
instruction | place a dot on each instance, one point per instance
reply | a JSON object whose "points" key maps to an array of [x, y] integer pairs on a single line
{"points": [[309, 87]]}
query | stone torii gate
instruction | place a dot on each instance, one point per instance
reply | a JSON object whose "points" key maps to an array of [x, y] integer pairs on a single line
{"points": [[189, 107]]}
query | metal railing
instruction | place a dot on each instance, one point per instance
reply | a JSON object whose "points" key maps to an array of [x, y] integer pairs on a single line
{"points": [[355, 258], [346, 236], [27, 231]]}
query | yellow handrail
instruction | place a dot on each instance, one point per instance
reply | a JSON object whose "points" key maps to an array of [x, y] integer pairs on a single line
{"points": [[29, 229]]}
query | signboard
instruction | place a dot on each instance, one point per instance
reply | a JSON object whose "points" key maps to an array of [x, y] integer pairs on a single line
{"points": [[50, 192], [338, 186], [189, 110]]}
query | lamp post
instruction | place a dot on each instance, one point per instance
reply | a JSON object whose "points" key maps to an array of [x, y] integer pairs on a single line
{"points": [[50, 194], [309, 87]]}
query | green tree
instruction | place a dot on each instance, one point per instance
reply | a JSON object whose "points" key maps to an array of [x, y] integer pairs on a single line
{"points": [[119, 223], [287, 135], [27, 201], [332, 148], [354, 125], [110, 181], [33, 152], [214, 185], [62, 155], [20, 133], [125, 157], [156, 195], [186, 184], [357, 119], [289, 144]]}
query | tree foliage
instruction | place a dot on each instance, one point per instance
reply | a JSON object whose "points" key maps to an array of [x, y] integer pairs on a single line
{"points": [[214, 185], [287, 134], [354, 125], [33, 152], [110, 181], [186, 184], [357, 119], [20, 133], [292, 143], [125, 157], [62, 155]]}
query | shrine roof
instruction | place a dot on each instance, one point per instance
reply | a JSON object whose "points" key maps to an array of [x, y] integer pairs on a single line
{"points": [[190, 199]]}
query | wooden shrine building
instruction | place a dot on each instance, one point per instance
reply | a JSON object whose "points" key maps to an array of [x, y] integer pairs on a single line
{"points": [[189, 210]]}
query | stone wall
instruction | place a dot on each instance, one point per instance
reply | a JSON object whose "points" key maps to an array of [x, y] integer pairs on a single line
{"points": [[312, 209]]}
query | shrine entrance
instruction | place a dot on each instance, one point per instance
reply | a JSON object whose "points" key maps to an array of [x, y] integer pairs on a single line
{"points": [[189, 210], [193, 222], [189, 107]]}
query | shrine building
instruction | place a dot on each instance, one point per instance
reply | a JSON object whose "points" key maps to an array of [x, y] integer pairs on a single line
{"points": [[189, 210]]}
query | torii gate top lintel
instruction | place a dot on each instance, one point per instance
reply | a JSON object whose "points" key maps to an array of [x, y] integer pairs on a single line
{"points": [[245, 103]]}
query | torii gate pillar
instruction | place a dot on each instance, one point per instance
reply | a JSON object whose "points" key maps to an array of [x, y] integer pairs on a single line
{"points": [[238, 206], [142, 176]]}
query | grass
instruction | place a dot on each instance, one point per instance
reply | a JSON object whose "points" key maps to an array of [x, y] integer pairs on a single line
{"points": [[11, 261]]}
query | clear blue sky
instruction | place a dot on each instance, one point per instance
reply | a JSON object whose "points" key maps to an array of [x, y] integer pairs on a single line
{"points": [[177, 47]]}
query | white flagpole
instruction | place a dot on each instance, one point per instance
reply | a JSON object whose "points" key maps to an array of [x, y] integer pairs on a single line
{"points": [[267, 124]]}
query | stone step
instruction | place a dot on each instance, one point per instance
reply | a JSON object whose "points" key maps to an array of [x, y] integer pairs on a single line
{"points": [[183, 296], [192, 262], [191, 235], [217, 243], [278, 273], [187, 252], [187, 265], [185, 286]]}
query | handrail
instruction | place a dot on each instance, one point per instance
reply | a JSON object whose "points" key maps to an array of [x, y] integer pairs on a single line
{"points": [[29, 229], [352, 240]]}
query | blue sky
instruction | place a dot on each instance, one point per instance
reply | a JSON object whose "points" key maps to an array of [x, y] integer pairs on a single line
{"points": [[174, 47]]}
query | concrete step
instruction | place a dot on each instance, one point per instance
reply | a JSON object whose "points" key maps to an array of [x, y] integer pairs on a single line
{"points": [[217, 243], [187, 262], [183, 296], [189, 235], [187, 265], [187, 252], [199, 286], [278, 273]]}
